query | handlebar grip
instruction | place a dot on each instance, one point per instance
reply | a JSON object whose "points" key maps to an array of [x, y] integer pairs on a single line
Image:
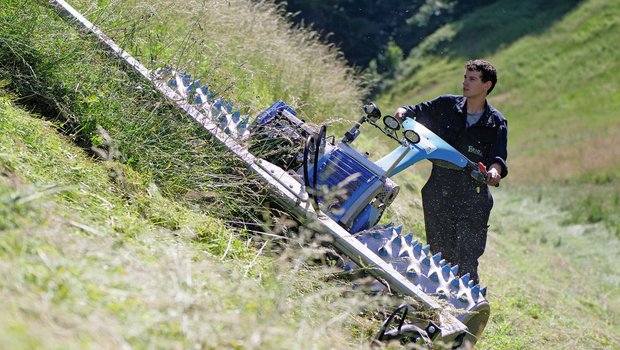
{"points": [[480, 174]]}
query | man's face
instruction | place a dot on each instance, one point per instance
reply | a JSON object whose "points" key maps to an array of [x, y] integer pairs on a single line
{"points": [[473, 85]]}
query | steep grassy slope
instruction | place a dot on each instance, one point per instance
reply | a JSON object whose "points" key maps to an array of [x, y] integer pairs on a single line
{"points": [[88, 262], [555, 84], [555, 88], [121, 242], [126, 250], [554, 237], [245, 50]]}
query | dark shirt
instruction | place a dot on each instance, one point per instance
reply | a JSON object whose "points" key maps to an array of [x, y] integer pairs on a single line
{"points": [[485, 141]]}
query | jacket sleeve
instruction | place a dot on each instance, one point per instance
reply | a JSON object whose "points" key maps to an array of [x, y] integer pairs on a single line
{"points": [[499, 153], [424, 112]]}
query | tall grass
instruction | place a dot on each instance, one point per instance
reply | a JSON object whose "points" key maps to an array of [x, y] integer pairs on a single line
{"points": [[89, 261], [126, 251], [246, 50]]}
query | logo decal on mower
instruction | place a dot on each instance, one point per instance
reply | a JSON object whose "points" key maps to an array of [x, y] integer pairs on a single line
{"points": [[473, 150]]}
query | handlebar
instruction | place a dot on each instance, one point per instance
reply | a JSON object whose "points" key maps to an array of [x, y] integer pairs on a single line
{"points": [[386, 132], [479, 172]]}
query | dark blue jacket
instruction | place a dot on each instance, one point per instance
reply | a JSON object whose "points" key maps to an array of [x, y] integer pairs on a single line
{"points": [[486, 141]]}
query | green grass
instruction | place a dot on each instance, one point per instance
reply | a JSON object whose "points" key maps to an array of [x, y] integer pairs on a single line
{"points": [[113, 211], [245, 50], [121, 241], [554, 83], [553, 245], [551, 285], [84, 266]]}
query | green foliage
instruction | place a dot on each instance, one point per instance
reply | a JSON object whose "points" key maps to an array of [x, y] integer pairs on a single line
{"points": [[362, 29], [391, 59]]}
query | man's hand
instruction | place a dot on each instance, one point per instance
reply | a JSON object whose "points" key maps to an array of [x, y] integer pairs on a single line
{"points": [[400, 114], [494, 177]]}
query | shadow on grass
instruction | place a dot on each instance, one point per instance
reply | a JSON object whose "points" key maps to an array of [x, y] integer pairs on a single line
{"points": [[492, 28]]}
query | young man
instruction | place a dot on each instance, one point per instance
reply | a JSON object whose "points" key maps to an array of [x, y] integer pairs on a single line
{"points": [[456, 207]]}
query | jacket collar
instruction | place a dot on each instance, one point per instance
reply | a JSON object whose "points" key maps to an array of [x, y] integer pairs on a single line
{"points": [[486, 120]]}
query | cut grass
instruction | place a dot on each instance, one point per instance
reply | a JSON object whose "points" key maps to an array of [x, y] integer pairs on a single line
{"points": [[551, 285], [553, 244]]}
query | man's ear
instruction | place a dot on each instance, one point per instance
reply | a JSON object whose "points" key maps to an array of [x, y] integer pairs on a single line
{"points": [[488, 85]]}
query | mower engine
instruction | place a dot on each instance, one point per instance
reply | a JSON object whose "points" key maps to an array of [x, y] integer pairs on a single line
{"points": [[344, 184]]}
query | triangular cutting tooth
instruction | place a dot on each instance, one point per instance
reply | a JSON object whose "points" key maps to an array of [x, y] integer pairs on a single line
{"points": [[236, 117], [442, 262], [398, 229], [445, 270], [454, 283], [417, 250], [404, 253], [465, 278], [411, 273], [408, 238], [397, 241], [426, 249], [426, 261], [437, 257], [383, 251], [470, 283], [434, 277], [195, 84], [462, 297], [455, 270], [483, 291], [475, 290]]}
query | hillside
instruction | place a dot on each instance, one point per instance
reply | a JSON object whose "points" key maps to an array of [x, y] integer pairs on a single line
{"points": [[555, 228], [122, 225], [86, 262], [554, 60], [555, 88]]}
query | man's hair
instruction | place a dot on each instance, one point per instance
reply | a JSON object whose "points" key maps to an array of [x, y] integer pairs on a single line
{"points": [[488, 72]]}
